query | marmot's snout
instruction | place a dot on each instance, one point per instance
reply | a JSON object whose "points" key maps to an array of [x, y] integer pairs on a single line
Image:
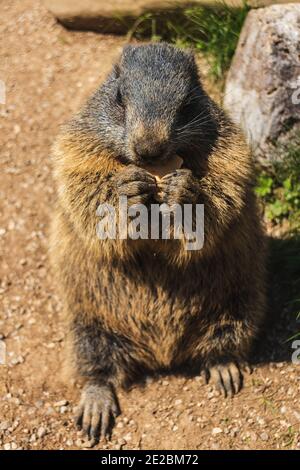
{"points": [[149, 142], [148, 153]]}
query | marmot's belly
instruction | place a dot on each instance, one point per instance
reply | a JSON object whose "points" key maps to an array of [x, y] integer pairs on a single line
{"points": [[154, 325]]}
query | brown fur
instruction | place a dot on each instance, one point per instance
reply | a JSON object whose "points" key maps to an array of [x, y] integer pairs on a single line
{"points": [[232, 253]]}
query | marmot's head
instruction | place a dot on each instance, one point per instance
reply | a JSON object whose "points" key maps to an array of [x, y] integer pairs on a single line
{"points": [[151, 106]]}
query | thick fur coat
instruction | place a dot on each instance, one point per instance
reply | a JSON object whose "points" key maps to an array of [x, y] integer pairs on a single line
{"points": [[146, 305]]}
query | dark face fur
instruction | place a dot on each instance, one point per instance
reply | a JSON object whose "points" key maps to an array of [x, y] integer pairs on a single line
{"points": [[151, 106]]}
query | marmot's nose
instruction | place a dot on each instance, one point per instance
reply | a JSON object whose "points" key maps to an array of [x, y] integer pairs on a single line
{"points": [[149, 151]]}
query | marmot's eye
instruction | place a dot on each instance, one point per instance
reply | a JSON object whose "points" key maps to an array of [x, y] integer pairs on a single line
{"points": [[119, 97]]}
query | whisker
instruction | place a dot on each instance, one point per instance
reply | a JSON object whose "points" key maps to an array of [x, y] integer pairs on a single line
{"points": [[192, 90], [196, 129], [196, 120]]}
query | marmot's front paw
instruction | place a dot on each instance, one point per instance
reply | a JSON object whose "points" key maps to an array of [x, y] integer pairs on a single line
{"points": [[226, 378], [136, 184], [97, 410], [179, 187]]}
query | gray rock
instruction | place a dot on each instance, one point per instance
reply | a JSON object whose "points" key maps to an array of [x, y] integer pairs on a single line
{"points": [[262, 91], [118, 16]]}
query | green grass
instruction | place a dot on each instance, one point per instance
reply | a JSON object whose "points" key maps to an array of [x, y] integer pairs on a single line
{"points": [[213, 30], [279, 186]]}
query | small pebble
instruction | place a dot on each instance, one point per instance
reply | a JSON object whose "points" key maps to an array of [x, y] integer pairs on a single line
{"points": [[88, 444], [4, 425], [60, 403], [41, 432], [264, 436], [216, 431]]}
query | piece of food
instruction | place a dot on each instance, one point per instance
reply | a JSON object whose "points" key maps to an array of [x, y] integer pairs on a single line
{"points": [[160, 170]]}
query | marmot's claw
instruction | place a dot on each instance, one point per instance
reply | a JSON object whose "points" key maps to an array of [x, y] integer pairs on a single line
{"points": [[179, 187], [246, 367], [97, 409], [227, 378], [136, 184]]}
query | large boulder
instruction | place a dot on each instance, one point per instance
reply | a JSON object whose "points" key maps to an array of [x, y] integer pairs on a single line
{"points": [[262, 90], [118, 16]]}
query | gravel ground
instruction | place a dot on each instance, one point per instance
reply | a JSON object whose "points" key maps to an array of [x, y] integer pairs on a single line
{"points": [[48, 72]]}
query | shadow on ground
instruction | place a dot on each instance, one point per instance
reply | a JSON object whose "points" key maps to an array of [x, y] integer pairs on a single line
{"points": [[282, 326]]}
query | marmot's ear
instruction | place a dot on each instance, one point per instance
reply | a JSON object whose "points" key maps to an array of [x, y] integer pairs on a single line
{"points": [[116, 70], [118, 66], [191, 58], [126, 52], [129, 48]]}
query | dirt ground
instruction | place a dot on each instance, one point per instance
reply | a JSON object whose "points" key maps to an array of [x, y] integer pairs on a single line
{"points": [[48, 72]]}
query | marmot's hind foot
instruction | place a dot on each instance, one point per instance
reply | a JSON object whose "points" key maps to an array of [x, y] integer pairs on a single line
{"points": [[97, 410], [227, 378]]}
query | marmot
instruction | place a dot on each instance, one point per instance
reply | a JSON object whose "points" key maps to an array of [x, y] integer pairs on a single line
{"points": [[138, 306]]}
